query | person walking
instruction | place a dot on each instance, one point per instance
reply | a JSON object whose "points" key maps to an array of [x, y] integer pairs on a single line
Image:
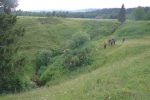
{"points": [[105, 45], [114, 40], [123, 39]]}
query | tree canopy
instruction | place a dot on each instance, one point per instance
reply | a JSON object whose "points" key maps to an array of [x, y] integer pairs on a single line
{"points": [[139, 13], [10, 67], [122, 14], [8, 5]]}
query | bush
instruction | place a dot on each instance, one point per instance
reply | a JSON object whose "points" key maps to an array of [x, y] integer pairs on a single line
{"points": [[42, 60], [139, 13], [79, 39], [10, 68], [48, 75], [78, 57], [147, 16], [12, 84], [79, 54], [72, 61], [53, 72], [57, 52]]}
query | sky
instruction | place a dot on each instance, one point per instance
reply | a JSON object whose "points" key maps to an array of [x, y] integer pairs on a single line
{"points": [[35, 5]]}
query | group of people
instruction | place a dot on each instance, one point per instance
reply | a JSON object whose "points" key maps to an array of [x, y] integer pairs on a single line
{"points": [[112, 42]]}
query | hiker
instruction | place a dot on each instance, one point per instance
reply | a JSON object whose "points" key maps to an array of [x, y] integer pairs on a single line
{"points": [[110, 42], [105, 45], [123, 39], [114, 40]]}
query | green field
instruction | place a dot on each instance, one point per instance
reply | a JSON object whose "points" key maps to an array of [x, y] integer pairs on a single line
{"points": [[120, 72]]}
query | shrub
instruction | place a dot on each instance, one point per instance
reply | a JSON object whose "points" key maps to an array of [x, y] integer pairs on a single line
{"points": [[10, 67], [56, 52], [79, 39], [79, 54], [72, 61], [53, 72], [78, 57], [13, 83], [48, 75], [43, 58]]}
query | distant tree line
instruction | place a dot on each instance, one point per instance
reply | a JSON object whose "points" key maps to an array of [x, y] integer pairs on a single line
{"points": [[107, 13], [141, 13]]}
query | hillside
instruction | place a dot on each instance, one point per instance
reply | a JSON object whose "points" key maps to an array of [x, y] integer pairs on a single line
{"points": [[55, 34], [120, 72]]}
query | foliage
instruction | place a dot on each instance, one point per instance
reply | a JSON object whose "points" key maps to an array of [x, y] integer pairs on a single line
{"points": [[79, 39], [122, 14], [106, 13], [78, 60], [8, 5], [42, 60], [133, 29], [10, 66], [139, 13], [79, 52], [147, 13], [97, 30], [13, 83]]}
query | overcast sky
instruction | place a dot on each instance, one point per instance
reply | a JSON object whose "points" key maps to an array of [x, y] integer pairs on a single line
{"points": [[27, 5]]}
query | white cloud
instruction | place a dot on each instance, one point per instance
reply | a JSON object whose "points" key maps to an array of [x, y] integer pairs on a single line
{"points": [[78, 4]]}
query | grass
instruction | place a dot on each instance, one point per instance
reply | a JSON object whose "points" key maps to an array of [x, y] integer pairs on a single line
{"points": [[50, 33], [117, 73], [125, 79], [136, 29]]}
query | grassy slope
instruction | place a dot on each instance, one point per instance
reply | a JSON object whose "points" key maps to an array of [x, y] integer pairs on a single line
{"points": [[49, 33], [42, 34], [122, 71]]}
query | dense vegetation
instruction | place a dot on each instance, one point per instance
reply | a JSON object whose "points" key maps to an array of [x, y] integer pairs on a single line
{"points": [[10, 64]]}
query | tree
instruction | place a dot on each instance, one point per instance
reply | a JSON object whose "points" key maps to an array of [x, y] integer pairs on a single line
{"points": [[147, 16], [7, 5], [10, 67], [139, 13], [122, 14]]}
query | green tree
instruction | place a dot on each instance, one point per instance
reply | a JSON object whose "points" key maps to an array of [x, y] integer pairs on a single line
{"points": [[139, 13], [147, 16], [7, 5], [79, 39], [10, 66], [122, 14]]}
